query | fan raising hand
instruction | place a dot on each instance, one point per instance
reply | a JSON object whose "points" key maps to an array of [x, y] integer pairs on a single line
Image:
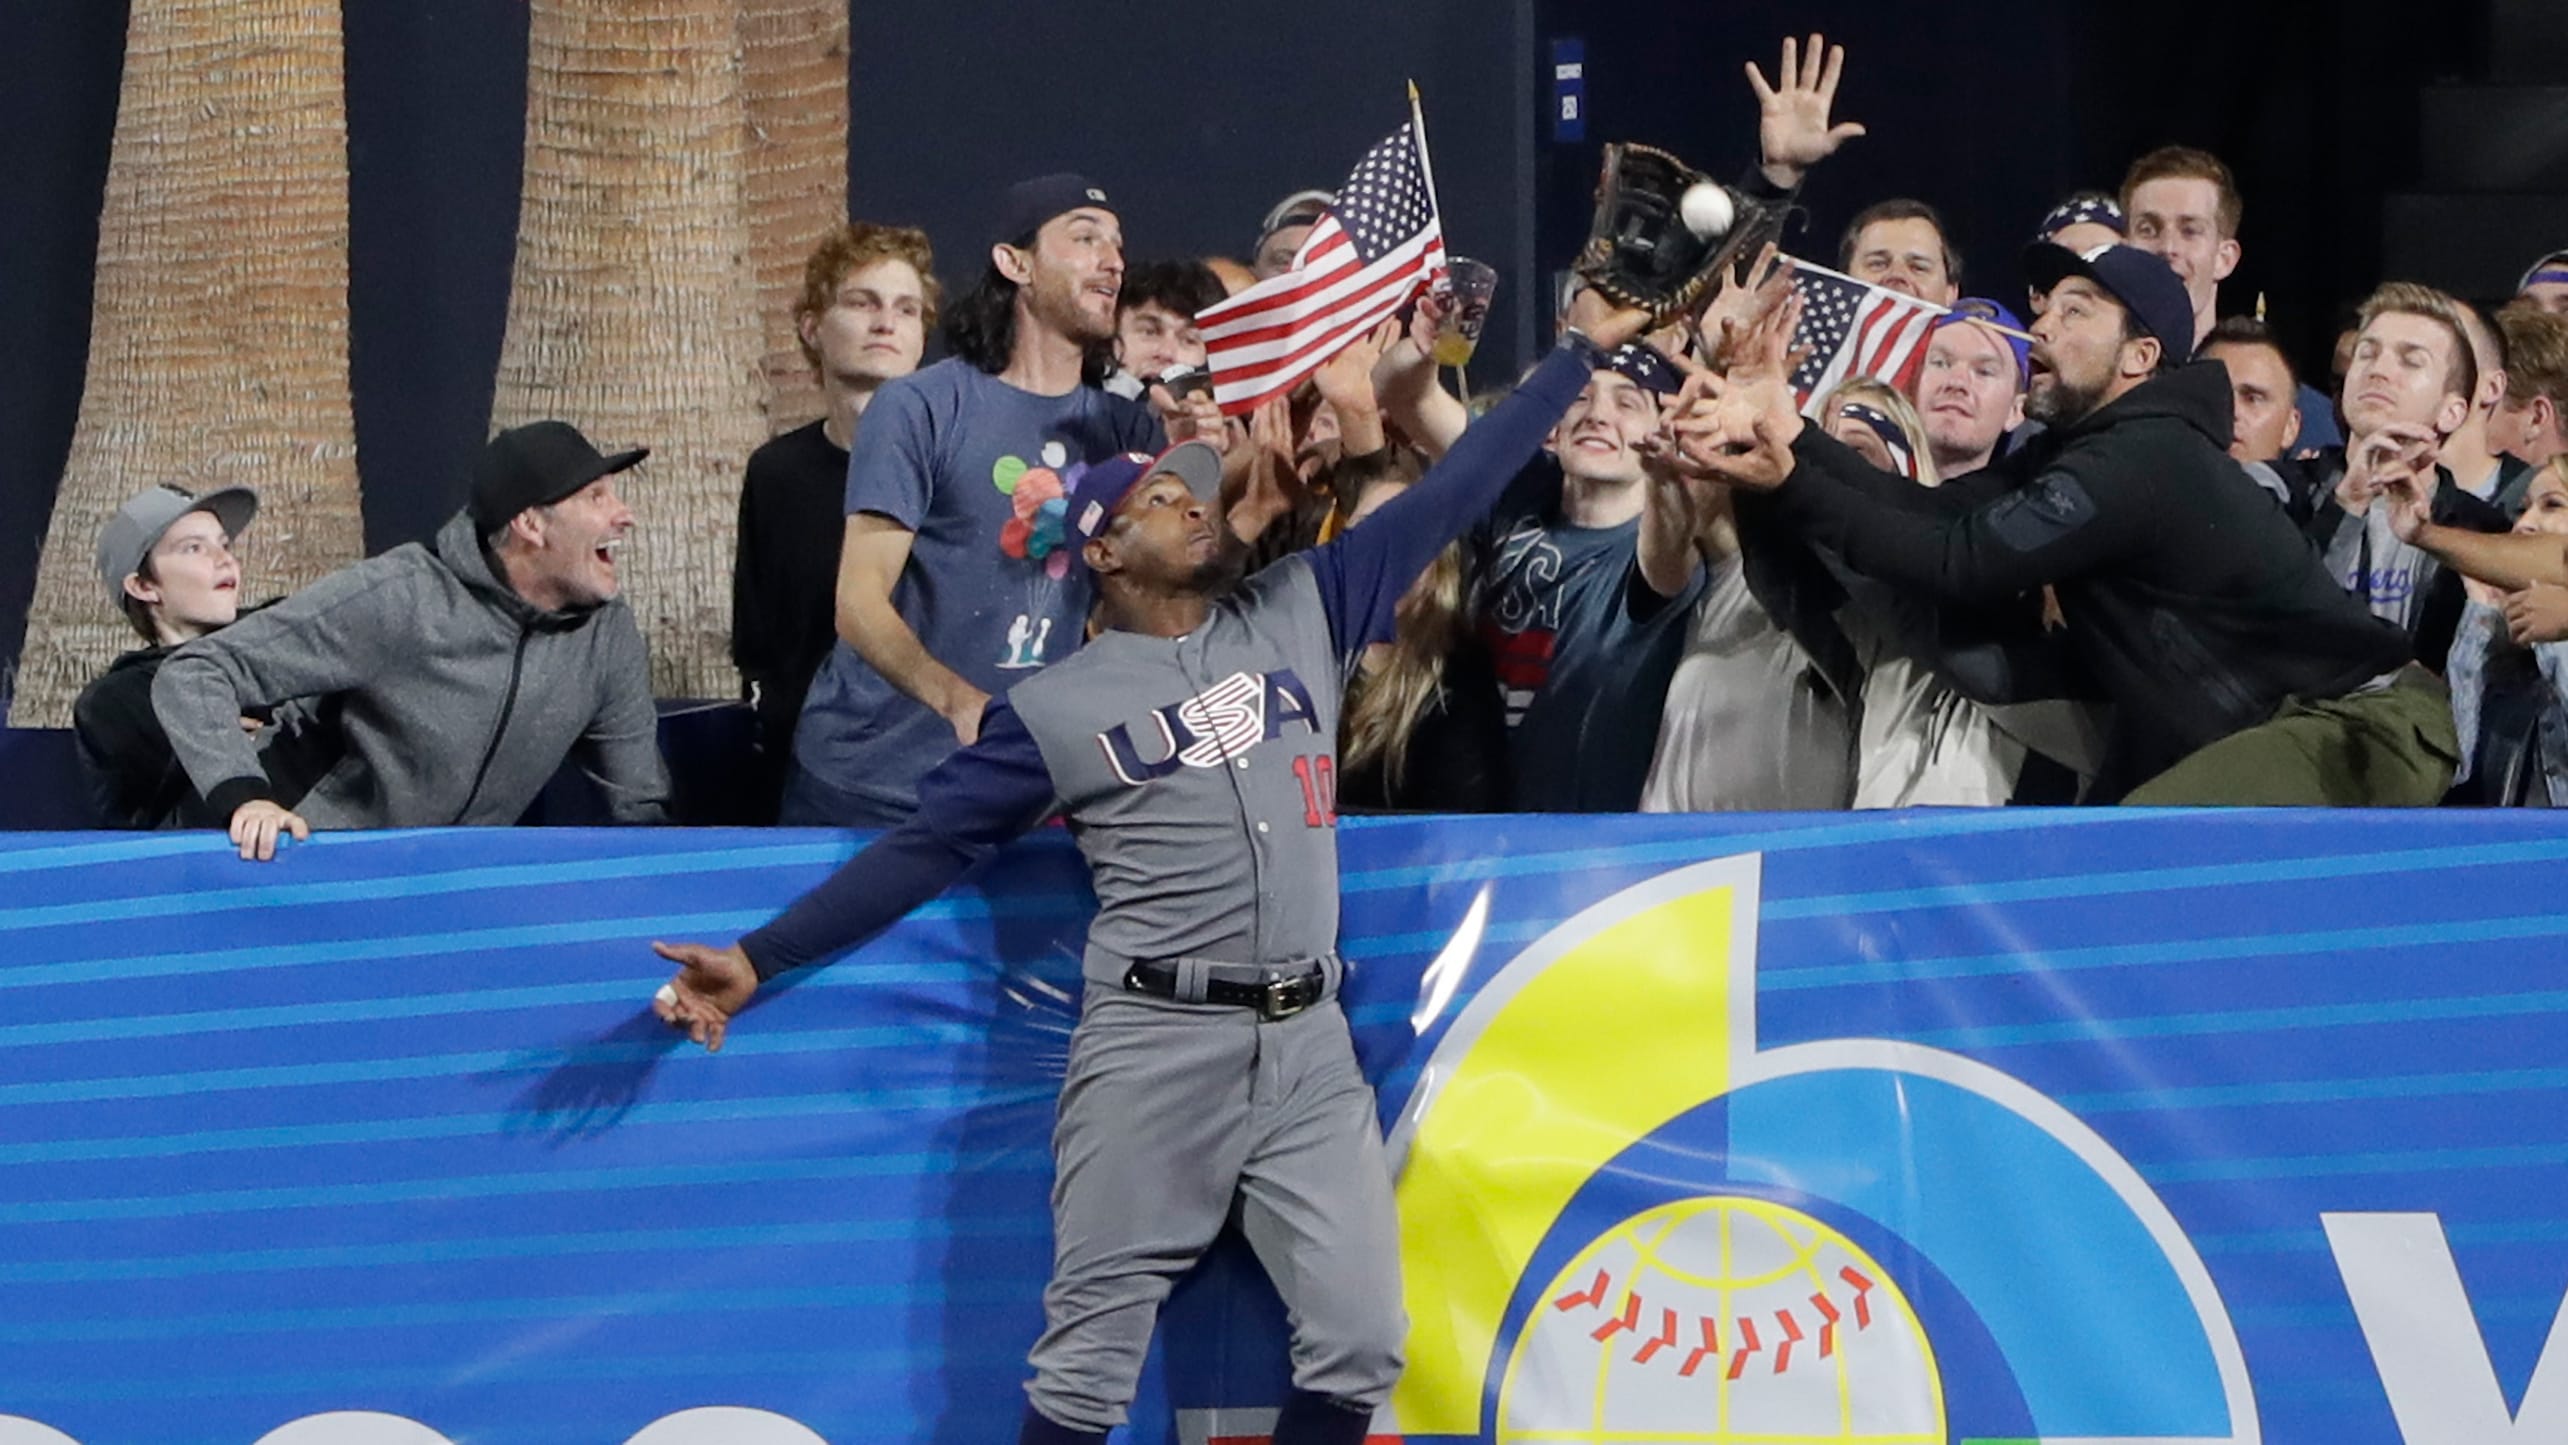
{"points": [[1793, 133]]}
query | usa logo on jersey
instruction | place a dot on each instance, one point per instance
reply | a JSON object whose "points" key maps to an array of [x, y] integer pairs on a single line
{"points": [[1221, 722]]}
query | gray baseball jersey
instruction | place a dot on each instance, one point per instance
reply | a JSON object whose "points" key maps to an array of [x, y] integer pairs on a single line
{"points": [[1197, 774]]}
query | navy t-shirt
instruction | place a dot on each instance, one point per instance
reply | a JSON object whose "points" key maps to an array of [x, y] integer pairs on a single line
{"points": [[1584, 650], [967, 463]]}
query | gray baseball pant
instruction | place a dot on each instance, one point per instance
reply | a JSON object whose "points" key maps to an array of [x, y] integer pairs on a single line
{"points": [[1171, 1114]]}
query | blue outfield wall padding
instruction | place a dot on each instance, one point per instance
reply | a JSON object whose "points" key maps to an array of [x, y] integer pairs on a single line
{"points": [[1933, 1126]]}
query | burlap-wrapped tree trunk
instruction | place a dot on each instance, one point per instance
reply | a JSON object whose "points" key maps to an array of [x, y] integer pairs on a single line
{"points": [[634, 314], [796, 53], [218, 345]]}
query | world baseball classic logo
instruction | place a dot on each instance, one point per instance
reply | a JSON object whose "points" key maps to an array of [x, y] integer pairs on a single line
{"points": [[1840, 1241]]}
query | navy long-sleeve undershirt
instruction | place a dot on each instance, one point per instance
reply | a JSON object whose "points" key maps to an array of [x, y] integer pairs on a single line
{"points": [[983, 795]]}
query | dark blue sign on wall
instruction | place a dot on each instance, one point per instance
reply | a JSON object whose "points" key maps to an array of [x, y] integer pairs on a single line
{"points": [[1569, 89]]}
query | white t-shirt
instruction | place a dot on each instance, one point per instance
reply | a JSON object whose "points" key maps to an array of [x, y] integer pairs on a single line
{"points": [[1748, 725]]}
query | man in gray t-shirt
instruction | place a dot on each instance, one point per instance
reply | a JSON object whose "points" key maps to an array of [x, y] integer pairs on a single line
{"points": [[952, 580]]}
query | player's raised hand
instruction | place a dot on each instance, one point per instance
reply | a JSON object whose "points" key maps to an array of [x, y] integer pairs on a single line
{"points": [[1793, 133], [712, 985], [1604, 321]]}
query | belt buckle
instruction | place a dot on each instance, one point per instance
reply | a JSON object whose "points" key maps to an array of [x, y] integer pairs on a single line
{"points": [[1282, 998]]}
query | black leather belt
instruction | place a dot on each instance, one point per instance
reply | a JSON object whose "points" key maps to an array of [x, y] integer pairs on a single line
{"points": [[1274, 996]]}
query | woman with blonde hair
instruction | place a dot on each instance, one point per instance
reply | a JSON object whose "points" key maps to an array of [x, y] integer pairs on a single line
{"points": [[1423, 729], [2509, 677], [1920, 741]]}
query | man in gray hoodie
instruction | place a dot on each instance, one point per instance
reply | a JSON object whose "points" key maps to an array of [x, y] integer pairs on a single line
{"points": [[466, 669]]}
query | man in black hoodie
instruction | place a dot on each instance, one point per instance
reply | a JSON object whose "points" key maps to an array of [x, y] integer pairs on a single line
{"points": [[2191, 601]]}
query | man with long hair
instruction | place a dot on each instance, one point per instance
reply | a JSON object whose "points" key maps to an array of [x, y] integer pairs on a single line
{"points": [[952, 578]]}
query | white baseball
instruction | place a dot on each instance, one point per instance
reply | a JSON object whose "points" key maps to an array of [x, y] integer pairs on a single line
{"points": [[667, 994], [1707, 210]]}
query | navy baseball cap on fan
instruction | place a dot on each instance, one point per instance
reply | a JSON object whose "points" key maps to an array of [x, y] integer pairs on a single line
{"points": [[536, 465], [2144, 283], [1102, 488], [1028, 204]]}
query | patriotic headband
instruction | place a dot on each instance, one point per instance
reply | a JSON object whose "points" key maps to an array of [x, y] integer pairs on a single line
{"points": [[2553, 275], [1879, 423], [2095, 210], [1642, 365]]}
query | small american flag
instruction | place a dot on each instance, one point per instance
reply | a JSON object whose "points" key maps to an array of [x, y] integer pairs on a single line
{"points": [[1855, 329], [1377, 247]]}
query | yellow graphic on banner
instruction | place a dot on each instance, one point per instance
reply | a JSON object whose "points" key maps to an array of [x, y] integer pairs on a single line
{"points": [[1626, 1028], [1722, 1321]]}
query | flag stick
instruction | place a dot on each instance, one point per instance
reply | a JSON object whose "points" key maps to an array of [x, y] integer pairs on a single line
{"points": [[1426, 164], [1427, 168]]}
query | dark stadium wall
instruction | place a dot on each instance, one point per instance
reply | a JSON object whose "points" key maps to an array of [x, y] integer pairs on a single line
{"points": [[1194, 119], [1991, 110], [1197, 118]]}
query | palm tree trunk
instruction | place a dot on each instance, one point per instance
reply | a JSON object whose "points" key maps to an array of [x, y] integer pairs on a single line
{"points": [[218, 347], [796, 53], [634, 311]]}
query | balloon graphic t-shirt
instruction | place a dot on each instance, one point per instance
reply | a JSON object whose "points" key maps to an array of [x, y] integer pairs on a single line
{"points": [[976, 469]]}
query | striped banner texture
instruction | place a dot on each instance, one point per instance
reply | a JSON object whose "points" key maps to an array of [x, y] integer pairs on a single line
{"points": [[386, 1126]]}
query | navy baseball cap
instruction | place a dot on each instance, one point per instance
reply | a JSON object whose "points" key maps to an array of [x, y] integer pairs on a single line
{"points": [[2143, 282], [1102, 488], [1028, 204], [2000, 322]]}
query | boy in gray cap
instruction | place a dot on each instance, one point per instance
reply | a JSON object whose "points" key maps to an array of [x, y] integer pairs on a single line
{"points": [[166, 560], [466, 670]]}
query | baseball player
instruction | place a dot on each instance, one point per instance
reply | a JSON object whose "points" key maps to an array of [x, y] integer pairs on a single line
{"points": [[1191, 748]]}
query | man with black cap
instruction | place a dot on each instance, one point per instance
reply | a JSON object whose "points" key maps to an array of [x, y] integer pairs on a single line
{"points": [[1192, 748], [465, 670], [1592, 574], [951, 577], [2191, 601]]}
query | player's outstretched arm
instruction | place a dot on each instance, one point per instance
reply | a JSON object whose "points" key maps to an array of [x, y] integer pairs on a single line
{"points": [[1362, 574], [977, 799], [712, 985]]}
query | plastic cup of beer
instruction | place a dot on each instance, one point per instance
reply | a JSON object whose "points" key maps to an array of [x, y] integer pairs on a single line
{"points": [[1469, 286]]}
